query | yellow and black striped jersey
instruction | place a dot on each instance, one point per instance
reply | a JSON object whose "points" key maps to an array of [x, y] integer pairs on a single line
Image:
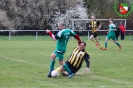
{"points": [[94, 25], [77, 58]]}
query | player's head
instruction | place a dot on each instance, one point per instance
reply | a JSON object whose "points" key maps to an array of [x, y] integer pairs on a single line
{"points": [[117, 24], [82, 45], [93, 16], [111, 20], [61, 25]]}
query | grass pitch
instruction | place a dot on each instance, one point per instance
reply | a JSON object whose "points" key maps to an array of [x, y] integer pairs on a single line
{"points": [[24, 63]]}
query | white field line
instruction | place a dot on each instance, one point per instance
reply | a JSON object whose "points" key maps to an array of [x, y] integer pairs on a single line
{"points": [[27, 62], [105, 78], [78, 73], [113, 80]]}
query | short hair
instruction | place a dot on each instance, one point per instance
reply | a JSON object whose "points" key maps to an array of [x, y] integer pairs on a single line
{"points": [[84, 43], [62, 24], [111, 19], [93, 15]]}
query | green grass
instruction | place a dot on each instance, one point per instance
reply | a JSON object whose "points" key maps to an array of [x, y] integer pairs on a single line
{"points": [[24, 63]]}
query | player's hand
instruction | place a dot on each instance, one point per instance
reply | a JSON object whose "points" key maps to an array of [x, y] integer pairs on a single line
{"points": [[96, 30], [47, 31], [79, 42], [87, 69]]}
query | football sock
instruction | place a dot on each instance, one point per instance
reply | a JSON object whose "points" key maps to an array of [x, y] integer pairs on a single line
{"points": [[66, 68], [58, 69], [105, 44], [94, 41], [117, 44], [100, 45], [52, 64]]}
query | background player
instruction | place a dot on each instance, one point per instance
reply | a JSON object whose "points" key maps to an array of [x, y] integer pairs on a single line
{"points": [[95, 26], [78, 56], [122, 28], [62, 39], [117, 31], [111, 34]]}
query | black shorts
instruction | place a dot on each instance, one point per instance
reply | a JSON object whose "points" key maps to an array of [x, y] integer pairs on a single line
{"points": [[95, 34], [73, 69]]}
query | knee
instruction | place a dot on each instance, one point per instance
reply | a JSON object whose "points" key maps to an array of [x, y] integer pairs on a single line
{"points": [[114, 41], [91, 38], [106, 40], [62, 63], [61, 68], [53, 56], [97, 41]]}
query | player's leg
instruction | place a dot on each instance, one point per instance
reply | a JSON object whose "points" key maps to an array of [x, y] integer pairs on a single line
{"points": [[63, 71], [73, 70], [96, 38], [92, 39], [66, 68], [53, 56], [122, 36], [106, 42], [114, 40], [59, 69], [64, 65], [117, 34], [117, 43]]}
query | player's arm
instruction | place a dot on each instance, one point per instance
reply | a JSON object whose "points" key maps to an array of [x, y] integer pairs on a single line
{"points": [[99, 25], [113, 27], [87, 60], [52, 35], [75, 36], [78, 38], [89, 25]]}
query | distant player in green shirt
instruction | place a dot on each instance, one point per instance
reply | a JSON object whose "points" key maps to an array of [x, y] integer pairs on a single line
{"points": [[111, 35], [62, 38]]}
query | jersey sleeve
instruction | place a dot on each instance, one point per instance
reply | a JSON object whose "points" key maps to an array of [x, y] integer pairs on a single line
{"points": [[59, 34], [113, 26], [72, 33], [87, 60]]}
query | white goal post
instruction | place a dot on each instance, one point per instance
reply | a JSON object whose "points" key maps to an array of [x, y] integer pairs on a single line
{"points": [[81, 23]]}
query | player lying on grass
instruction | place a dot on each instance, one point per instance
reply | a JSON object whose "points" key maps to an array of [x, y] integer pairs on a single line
{"points": [[78, 56], [111, 35], [62, 38]]}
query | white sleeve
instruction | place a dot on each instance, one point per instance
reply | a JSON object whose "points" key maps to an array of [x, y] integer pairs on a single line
{"points": [[59, 33]]}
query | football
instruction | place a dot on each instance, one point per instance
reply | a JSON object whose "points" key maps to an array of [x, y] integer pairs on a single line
{"points": [[54, 73]]}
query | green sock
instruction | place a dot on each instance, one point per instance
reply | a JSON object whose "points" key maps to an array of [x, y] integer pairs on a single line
{"points": [[105, 44], [52, 64], [66, 68], [117, 44]]}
